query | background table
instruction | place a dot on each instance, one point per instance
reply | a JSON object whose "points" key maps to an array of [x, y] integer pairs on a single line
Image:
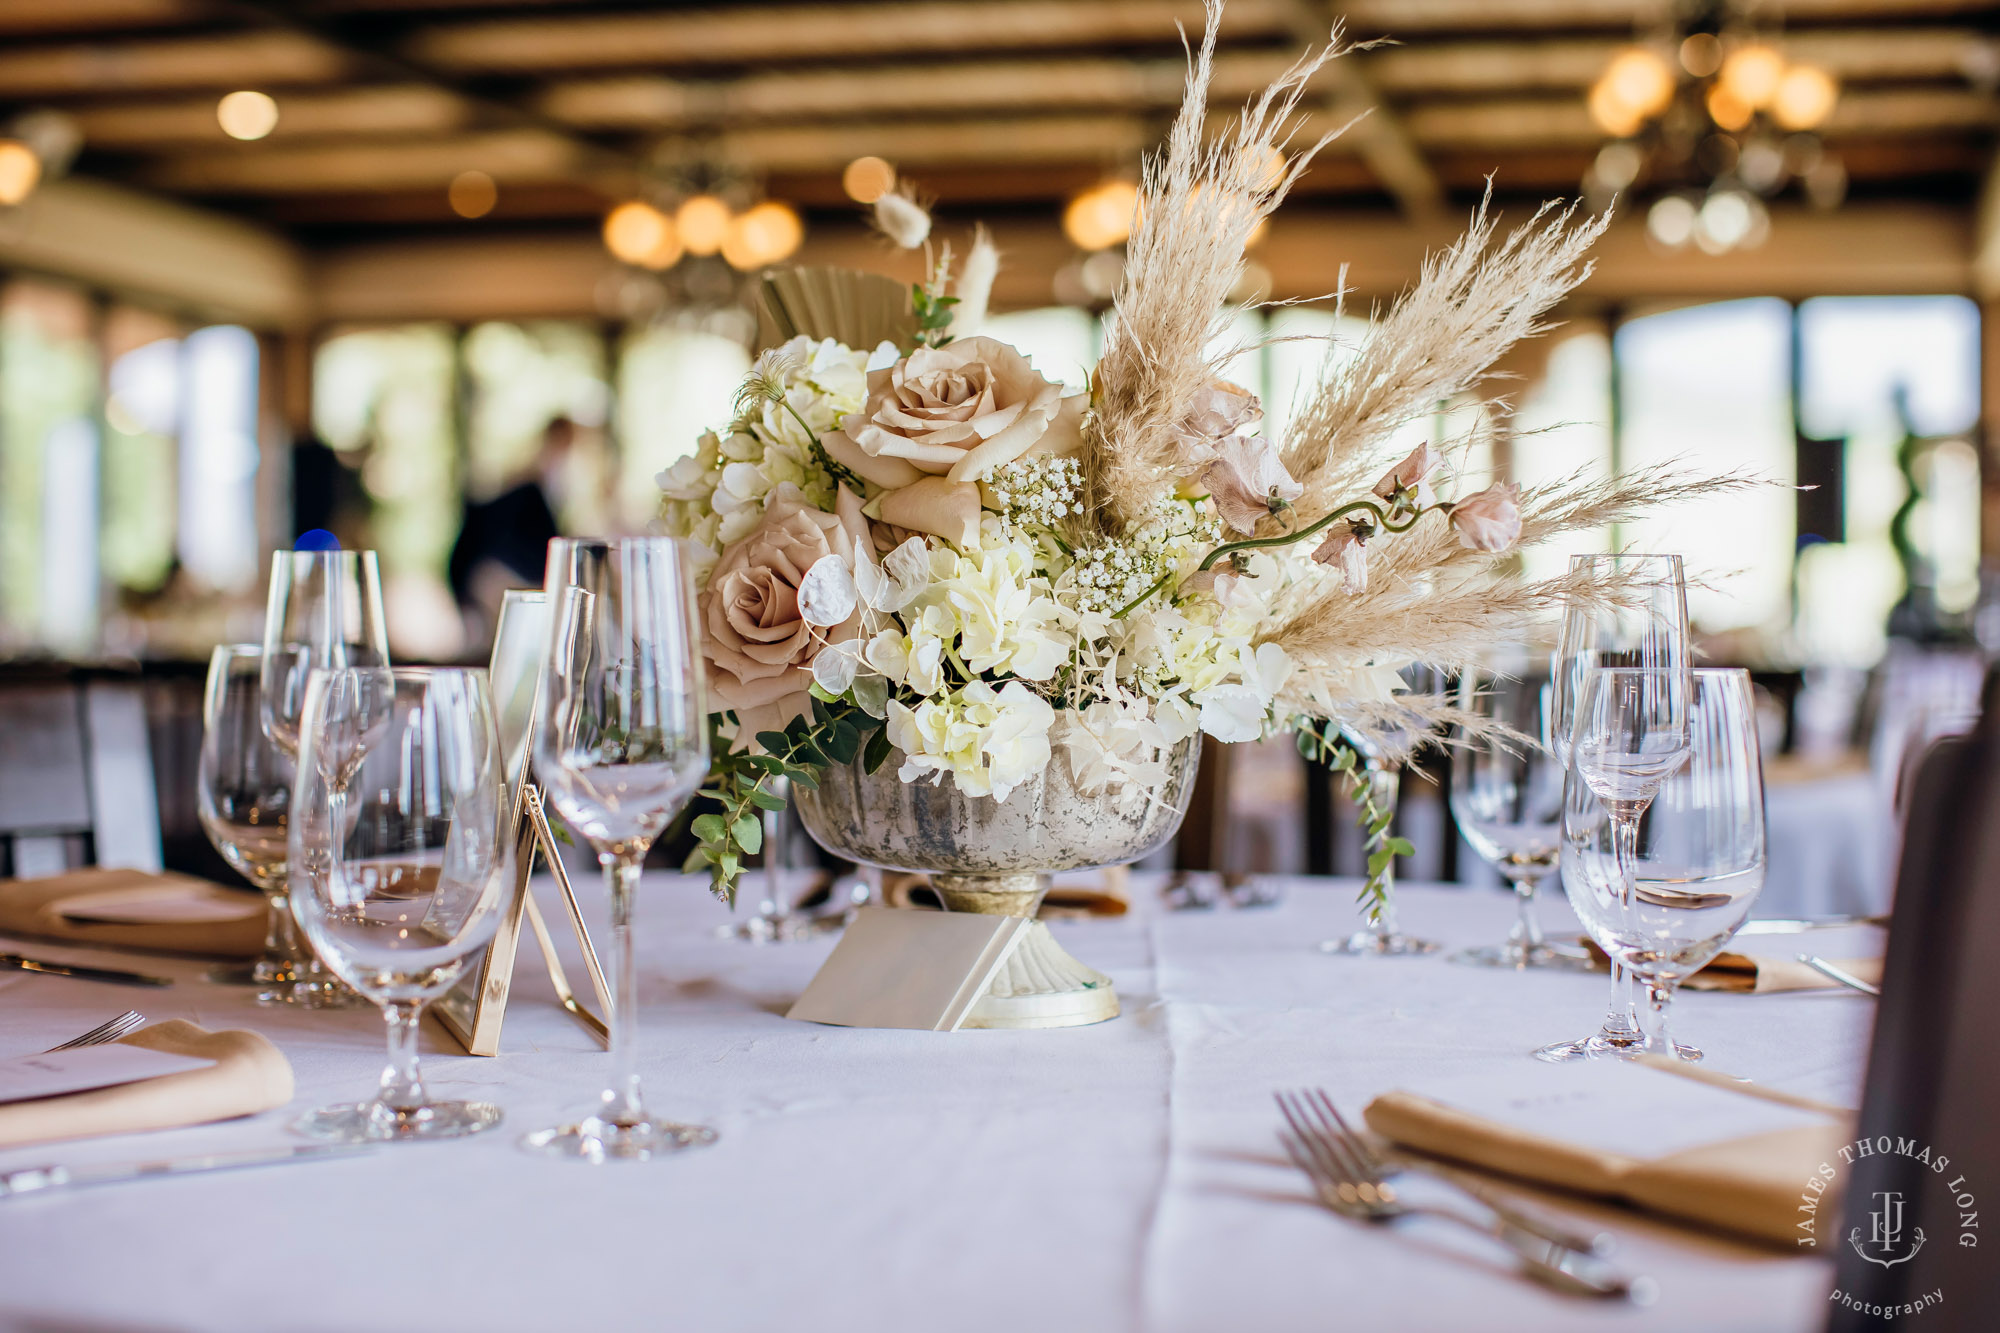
{"points": [[1118, 1177]]}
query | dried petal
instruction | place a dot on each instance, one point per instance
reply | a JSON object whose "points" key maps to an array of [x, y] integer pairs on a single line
{"points": [[1248, 481], [1490, 520]]}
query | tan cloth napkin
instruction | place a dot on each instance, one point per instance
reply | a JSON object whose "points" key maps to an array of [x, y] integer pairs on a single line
{"points": [[250, 1075], [33, 907], [1750, 1186], [1748, 974]]}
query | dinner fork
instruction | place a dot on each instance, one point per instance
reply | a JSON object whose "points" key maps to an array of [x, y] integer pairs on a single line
{"points": [[109, 1030], [1349, 1179]]}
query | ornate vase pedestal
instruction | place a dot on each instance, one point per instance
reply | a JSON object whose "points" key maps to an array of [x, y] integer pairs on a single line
{"points": [[994, 858], [1040, 986]]}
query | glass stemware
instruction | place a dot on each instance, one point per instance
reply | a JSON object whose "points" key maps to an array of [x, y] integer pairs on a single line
{"points": [[1506, 797], [1383, 936], [1641, 622], [244, 793], [1664, 896], [323, 612], [621, 747], [401, 876]]}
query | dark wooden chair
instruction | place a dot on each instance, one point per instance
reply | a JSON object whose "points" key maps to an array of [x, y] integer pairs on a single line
{"points": [[76, 777], [1933, 1076]]}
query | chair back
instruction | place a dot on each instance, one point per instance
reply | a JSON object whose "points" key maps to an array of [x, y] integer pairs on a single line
{"points": [[76, 775], [1925, 1153]]}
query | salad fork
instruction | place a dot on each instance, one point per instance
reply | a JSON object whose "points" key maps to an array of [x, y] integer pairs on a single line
{"points": [[1348, 1179], [109, 1030]]}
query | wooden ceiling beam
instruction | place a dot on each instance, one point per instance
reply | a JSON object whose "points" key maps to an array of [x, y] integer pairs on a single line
{"points": [[770, 34], [1373, 130], [378, 110], [506, 155], [39, 18], [259, 59], [1392, 17]]}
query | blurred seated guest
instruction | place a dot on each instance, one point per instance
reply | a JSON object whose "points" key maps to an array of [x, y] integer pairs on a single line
{"points": [[503, 542], [327, 493]]}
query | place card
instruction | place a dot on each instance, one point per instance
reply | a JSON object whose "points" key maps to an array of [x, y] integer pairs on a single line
{"points": [[57, 1072], [907, 969], [164, 905]]}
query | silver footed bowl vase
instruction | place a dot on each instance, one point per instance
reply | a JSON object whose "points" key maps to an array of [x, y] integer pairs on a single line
{"points": [[994, 858]]}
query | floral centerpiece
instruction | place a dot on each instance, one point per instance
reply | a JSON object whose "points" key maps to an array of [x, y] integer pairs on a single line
{"points": [[927, 553]]}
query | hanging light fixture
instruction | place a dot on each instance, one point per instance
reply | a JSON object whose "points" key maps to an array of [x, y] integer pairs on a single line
{"points": [[1102, 216], [703, 223], [640, 234], [762, 235], [247, 114], [20, 171]]}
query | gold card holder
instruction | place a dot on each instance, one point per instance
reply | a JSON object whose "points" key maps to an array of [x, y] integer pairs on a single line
{"points": [[472, 1010]]}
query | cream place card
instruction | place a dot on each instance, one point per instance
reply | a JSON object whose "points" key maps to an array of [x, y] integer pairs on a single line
{"points": [[87, 1067], [908, 969]]}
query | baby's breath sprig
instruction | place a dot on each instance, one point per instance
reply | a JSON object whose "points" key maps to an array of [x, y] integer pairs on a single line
{"points": [[1037, 491]]}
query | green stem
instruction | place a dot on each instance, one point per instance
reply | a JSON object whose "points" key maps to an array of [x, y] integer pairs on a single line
{"points": [[1287, 538], [1135, 603]]}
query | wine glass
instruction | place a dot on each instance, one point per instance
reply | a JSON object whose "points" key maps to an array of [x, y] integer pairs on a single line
{"points": [[1382, 775], [1665, 901], [399, 880], [1634, 616], [244, 793], [621, 747], [323, 612], [1507, 798]]}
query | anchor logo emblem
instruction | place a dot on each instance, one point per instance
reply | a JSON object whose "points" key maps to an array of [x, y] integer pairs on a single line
{"points": [[1884, 1245]]}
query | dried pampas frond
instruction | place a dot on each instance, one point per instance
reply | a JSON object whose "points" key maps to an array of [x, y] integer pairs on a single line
{"points": [[1199, 202], [1471, 304], [898, 215], [974, 288]]}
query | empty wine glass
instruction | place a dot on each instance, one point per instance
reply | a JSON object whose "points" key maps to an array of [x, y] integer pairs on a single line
{"points": [[621, 747], [323, 612], [1635, 616], [1665, 901], [244, 793], [1506, 796], [400, 880]]}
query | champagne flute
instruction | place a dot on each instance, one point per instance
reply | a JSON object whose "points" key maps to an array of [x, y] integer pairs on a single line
{"points": [[399, 880], [1507, 799], [244, 793], [621, 747], [1638, 618], [323, 612], [1665, 901]]}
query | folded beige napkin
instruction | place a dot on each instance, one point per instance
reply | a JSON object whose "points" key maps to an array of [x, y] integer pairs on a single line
{"points": [[250, 1075], [1750, 1186], [34, 907], [1748, 974]]}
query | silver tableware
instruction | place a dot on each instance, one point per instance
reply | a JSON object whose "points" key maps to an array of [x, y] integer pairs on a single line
{"points": [[1349, 1179], [1799, 925], [39, 1179], [111, 976], [1841, 975], [111, 1029]]}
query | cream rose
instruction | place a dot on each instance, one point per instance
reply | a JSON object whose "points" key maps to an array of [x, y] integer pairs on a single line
{"points": [[752, 629], [954, 411]]}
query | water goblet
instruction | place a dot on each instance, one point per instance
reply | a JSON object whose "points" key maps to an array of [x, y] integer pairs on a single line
{"points": [[1507, 799], [1637, 617], [621, 747], [243, 796], [401, 878], [1664, 896]]}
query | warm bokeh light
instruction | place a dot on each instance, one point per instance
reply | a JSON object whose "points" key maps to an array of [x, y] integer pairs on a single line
{"points": [[1257, 232], [1101, 216], [703, 223], [763, 235], [20, 171], [640, 234], [1611, 114], [1701, 54], [1752, 72], [1636, 86], [472, 194], [1805, 97], [1727, 109], [246, 114], [867, 179], [1271, 167]]}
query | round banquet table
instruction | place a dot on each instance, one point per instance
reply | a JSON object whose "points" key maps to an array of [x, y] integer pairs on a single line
{"points": [[1118, 1177]]}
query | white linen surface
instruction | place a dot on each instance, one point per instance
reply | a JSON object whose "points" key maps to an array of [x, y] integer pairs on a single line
{"points": [[1119, 1177]]}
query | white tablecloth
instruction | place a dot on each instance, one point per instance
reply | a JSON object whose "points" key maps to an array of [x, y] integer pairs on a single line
{"points": [[1123, 1176]]}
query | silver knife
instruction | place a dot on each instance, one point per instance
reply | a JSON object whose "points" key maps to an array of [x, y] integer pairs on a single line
{"points": [[1841, 975], [106, 974], [1799, 925], [35, 1179]]}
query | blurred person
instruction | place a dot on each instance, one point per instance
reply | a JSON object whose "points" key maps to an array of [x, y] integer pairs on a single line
{"points": [[327, 493], [503, 542]]}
